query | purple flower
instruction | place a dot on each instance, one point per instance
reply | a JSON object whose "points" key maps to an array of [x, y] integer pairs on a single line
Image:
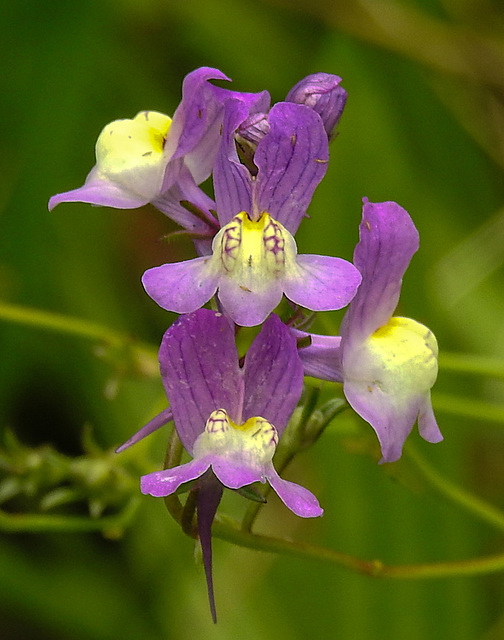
{"points": [[323, 93], [228, 417], [254, 260], [387, 364], [152, 158]]}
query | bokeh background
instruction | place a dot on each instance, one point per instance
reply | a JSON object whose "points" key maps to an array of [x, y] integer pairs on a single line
{"points": [[424, 126]]}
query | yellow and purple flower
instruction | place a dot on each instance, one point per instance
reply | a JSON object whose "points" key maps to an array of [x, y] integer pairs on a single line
{"points": [[254, 257], [387, 364]]}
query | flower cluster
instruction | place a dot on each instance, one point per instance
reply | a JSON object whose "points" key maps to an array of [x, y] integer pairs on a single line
{"points": [[266, 162]]}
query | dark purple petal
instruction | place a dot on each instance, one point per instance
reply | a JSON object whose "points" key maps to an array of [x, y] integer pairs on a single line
{"points": [[273, 375], [209, 497], [196, 124], [292, 160], [231, 178], [163, 483], [298, 499], [153, 425], [388, 240], [322, 283], [322, 93], [181, 287], [199, 367], [321, 359]]}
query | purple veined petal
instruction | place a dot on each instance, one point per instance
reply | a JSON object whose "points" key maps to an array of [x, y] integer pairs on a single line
{"points": [[388, 240], [153, 425], [295, 497], [181, 287], [163, 483], [323, 93], [292, 160], [232, 181], [322, 283], [100, 192], [200, 372], [245, 307], [273, 375], [233, 473], [321, 359]]}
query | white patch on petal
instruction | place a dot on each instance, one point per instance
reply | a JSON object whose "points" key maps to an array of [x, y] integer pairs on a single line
{"points": [[252, 444]]}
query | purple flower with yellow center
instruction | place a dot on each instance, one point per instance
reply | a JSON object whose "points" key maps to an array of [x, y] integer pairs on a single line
{"points": [[254, 257], [152, 158], [387, 364], [228, 416]]}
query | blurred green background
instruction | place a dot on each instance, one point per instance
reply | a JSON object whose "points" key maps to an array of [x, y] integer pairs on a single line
{"points": [[424, 125]]}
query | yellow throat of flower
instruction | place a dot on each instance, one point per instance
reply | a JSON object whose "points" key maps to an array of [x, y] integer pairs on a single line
{"points": [[401, 356]]}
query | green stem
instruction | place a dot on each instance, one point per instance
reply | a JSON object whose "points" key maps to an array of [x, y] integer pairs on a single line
{"points": [[112, 526], [454, 493], [224, 530]]}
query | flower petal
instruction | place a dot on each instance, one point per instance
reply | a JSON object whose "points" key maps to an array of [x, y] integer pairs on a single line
{"points": [[181, 287], [232, 181], [388, 240], [322, 283], [164, 483], [298, 499], [323, 93], [249, 308], [153, 425], [100, 192], [235, 473], [273, 375], [200, 372], [292, 159], [321, 359], [391, 417]]}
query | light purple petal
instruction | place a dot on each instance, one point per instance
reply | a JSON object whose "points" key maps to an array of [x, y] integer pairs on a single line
{"points": [[163, 483], [323, 93], [322, 283], [153, 425], [427, 424], [321, 359], [235, 473], [249, 308], [231, 178], [298, 499], [388, 240], [391, 417], [292, 160], [181, 287], [101, 193], [200, 371], [273, 375]]}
